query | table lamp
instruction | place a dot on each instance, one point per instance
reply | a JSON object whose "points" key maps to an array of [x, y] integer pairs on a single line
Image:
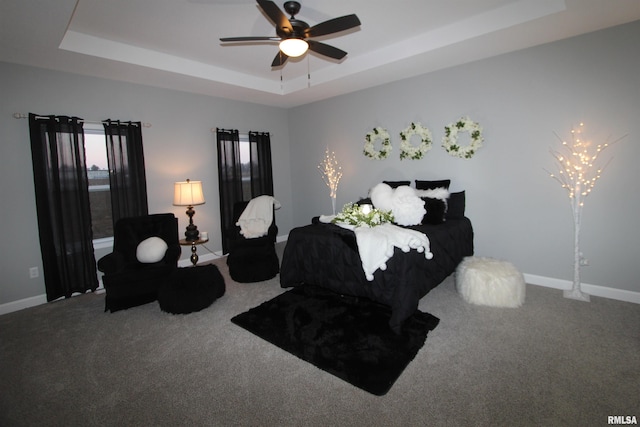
{"points": [[189, 193]]}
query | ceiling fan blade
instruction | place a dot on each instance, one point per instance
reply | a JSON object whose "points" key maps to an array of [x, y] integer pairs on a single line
{"points": [[326, 50], [280, 59], [249, 39], [333, 26], [276, 15]]}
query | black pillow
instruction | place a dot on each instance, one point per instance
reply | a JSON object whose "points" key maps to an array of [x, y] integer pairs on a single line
{"points": [[430, 185], [456, 205], [366, 201], [436, 210], [396, 184]]}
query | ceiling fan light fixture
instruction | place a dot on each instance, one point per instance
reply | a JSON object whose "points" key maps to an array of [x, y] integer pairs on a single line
{"points": [[293, 47], [292, 33]]}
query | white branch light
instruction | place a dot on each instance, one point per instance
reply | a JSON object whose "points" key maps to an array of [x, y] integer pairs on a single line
{"points": [[578, 171], [331, 173], [578, 165]]}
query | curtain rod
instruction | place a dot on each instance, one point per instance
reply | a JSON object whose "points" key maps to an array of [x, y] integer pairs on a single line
{"points": [[214, 130], [93, 122]]}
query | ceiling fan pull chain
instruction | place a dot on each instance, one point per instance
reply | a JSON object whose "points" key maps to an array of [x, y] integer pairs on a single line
{"points": [[308, 73], [281, 82]]}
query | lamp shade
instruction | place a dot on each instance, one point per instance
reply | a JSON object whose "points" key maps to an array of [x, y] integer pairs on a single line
{"points": [[293, 47], [188, 193]]}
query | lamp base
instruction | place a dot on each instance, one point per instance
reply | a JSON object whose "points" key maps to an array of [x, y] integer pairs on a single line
{"points": [[192, 232]]}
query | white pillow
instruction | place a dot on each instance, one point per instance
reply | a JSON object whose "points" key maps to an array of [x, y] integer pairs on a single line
{"points": [[406, 206], [408, 209], [382, 196], [434, 193], [151, 250]]}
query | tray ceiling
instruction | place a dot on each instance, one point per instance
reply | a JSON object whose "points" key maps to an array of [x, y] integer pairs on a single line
{"points": [[175, 43]]}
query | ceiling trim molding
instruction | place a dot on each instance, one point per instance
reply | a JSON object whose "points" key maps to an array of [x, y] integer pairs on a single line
{"points": [[484, 23], [87, 44]]}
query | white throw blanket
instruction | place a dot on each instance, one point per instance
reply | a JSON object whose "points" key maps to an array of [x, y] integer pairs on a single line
{"points": [[376, 244], [256, 218]]}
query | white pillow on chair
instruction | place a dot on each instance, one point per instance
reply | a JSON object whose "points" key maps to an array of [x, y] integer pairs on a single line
{"points": [[151, 250]]}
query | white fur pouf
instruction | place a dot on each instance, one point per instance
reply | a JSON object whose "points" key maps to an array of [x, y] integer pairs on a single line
{"points": [[488, 281]]}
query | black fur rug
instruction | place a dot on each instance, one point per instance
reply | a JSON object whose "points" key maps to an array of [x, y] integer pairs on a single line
{"points": [[346, 336]]}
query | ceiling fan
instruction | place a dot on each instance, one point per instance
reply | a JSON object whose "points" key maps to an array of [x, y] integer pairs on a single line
{"points": [[294, 34]]}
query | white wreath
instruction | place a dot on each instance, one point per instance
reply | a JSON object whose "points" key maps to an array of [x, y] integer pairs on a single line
{"points": [[450, 139], [408, 150], [385, 150]]}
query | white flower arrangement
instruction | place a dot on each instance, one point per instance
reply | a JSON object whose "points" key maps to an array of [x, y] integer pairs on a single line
{"points": [[450, 139], [408, 150], [362, 216], [370, 139]]}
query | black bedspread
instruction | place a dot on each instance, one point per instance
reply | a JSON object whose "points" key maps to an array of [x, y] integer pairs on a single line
{"points": [[326, 255]]}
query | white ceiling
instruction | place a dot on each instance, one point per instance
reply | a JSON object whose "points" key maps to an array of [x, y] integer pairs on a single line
{"points": [[175, 43]]}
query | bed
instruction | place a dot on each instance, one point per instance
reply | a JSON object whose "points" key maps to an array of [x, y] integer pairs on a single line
{"points": [[326, 255]]}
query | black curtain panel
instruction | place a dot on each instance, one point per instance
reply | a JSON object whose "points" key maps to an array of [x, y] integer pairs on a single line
{"points": [[127, 178], [229, 178], [62, 204], [261, 173]]}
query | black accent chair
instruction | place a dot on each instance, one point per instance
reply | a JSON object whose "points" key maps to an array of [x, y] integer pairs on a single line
{"points": [[128, 282], [251, 260]]}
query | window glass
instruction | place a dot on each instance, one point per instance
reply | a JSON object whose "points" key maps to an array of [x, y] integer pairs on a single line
{"points": [[98, 174], [245, 165]]}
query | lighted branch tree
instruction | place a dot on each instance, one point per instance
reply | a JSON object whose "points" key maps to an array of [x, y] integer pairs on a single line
{"points": [[331, 174], [578, 171]]}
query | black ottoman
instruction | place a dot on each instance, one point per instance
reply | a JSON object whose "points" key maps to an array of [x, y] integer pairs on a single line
{"points": [[191, 289]]}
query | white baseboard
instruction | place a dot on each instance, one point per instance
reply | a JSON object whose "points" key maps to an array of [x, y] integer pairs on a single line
{"points": [[594, 290], [218, 254], [532, 279], [201, 258], [12, 306], [42, 299], [22, 304]]}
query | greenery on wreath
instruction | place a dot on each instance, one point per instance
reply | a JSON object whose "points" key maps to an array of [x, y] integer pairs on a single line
{"points": [[371, 138], [450, 139], [408, 150], [353, 214]]}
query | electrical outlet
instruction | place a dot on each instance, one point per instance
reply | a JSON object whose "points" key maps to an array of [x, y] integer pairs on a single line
{"points": [[583, 260], [34, 272]]}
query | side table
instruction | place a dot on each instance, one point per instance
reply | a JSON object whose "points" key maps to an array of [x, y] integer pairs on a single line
{"points": [[193, 243]]}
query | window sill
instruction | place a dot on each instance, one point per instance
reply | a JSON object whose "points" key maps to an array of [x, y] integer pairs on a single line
{"points": [[104, 243]]}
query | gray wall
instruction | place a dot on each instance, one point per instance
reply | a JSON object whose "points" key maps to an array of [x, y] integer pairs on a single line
{"points": [[519, 213], [178, 145]]}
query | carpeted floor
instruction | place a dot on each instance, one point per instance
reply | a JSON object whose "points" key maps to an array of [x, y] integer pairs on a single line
{"points": [[552, 362]]}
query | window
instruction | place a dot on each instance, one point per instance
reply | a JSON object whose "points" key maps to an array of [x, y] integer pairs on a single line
{"points": [[65, 205], [99, 189], [244, 172], [245, 166]]}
